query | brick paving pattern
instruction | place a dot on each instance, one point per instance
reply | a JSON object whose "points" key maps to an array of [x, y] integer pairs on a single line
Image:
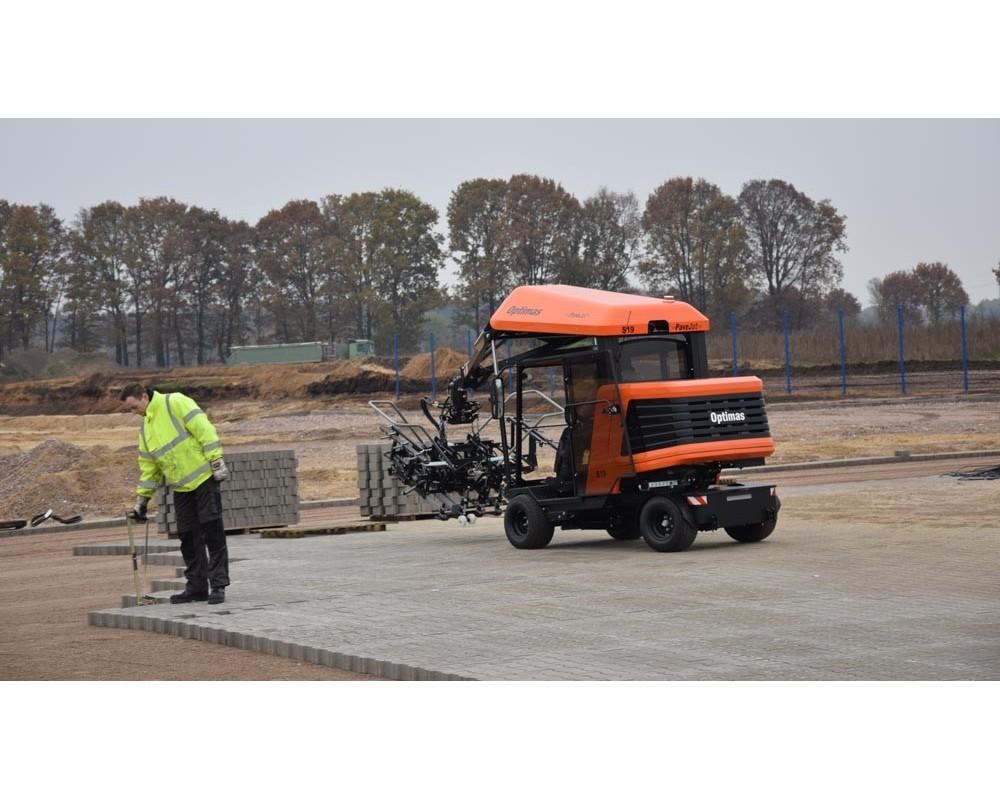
{"points": [[431, 600]]}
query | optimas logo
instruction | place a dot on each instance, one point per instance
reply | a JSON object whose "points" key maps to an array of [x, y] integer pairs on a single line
{"points": [[524, 311], [722, 417]]}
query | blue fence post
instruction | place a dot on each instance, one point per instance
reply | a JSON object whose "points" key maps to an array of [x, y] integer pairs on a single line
{"points": [[843, 355], [395, 360], [434, 386], [510, 372], [788, 355], [965, 353], [552, 382], [902, 357], [732, 328]]}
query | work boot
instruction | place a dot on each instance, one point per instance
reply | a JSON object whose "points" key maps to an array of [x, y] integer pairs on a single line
{"points": [[217, 596], [189, 595]]}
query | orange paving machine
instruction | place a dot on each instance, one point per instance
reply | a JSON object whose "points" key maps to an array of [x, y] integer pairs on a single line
{"points": [[644, 433]]}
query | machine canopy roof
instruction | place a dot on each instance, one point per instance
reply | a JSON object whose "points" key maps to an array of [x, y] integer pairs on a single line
{"points": [[592, 312]]}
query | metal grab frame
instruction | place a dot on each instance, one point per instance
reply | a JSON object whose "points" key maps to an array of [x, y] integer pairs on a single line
{"points": [[424, 444]]}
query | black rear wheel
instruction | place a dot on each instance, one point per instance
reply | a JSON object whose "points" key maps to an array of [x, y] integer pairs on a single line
{"points": [[752, 533], [663, 526], [526, 525]]}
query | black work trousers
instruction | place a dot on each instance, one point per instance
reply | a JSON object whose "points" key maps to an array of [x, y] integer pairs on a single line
{"points": [[203, 537]]}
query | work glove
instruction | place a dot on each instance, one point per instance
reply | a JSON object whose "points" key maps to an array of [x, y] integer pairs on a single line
{"points": [[219, 469], [138, 511]]}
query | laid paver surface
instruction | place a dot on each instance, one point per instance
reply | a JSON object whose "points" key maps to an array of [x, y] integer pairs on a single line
{"points": [[430, 599]]}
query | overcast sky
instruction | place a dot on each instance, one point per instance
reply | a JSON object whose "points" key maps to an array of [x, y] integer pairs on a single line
{"points": [[912, 190]]}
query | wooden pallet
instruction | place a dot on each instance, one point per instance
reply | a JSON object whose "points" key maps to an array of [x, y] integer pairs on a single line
{"points": [[320, 530], [403, 517]]}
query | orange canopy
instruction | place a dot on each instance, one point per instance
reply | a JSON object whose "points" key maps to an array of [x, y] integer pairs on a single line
{"points": [[591, 312]]}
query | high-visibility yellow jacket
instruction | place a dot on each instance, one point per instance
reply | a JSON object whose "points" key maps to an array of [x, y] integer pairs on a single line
{"points": [[176, 444]]}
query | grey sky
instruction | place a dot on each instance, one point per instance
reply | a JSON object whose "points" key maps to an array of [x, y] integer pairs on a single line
{"points": [[912, 190]]}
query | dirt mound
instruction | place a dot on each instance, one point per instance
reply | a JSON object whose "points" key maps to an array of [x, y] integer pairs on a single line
{"points": [[367, 376], [446, 364], [97, 393], [94, 481]]}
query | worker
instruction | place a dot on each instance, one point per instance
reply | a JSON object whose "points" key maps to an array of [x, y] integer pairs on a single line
{"points": [[178, 446]]}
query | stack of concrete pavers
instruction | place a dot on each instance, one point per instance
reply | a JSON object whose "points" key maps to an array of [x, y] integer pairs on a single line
{"points": [[382, 496], [262, 491]]}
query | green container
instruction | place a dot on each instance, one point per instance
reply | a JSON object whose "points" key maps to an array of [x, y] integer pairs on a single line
{"points": [[293, 353], [360, 348]]}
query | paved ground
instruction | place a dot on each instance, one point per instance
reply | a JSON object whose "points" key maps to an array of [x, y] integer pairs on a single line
{"points": [[831, 600]]}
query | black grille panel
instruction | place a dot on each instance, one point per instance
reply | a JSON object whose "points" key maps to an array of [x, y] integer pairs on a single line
{"points": [[653, 424]]}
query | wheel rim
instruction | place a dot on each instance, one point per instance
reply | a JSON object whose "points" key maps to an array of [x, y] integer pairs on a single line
{"points": [[519, 522], [662, 527]]}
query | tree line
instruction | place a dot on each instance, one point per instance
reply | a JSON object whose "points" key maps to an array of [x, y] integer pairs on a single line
{"points": [[168, 283]]}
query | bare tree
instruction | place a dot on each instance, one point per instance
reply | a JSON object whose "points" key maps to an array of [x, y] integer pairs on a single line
{"points": [[289, 250], [155, 255], [475, 220], [540, 231], [791, 239], [611, 238], [696, 243], [98, 245]]}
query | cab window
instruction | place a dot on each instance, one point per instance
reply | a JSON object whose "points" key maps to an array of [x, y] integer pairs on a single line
{"points": [[660, 358]]}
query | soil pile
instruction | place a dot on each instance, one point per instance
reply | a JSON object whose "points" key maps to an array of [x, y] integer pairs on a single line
{"points": [[446, 364], [367, 376], [96, 481]]}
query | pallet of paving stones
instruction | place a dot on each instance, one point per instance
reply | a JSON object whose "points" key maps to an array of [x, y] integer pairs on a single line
{"points": [[380, 494], [320, 530], [261, 491]]}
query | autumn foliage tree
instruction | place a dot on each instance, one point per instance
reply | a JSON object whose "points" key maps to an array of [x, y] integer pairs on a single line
{"points": [[696, 244], [928, 291], [540, 232], [28, 260], [291, 256], [182, 284], [792, 240], [940, 290]]}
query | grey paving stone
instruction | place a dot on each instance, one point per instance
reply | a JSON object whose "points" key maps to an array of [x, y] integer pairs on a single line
{"points": [[432, 600]]}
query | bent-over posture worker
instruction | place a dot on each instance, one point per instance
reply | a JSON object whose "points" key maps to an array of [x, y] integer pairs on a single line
{"points": [[179, 446]]}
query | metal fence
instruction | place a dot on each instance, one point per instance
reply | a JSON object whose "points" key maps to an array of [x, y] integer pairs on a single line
{"points": [[882, 362]]}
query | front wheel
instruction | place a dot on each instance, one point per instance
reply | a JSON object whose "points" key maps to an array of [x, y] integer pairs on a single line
{"points": [[526, 525], [663, 526], [752, 533]]}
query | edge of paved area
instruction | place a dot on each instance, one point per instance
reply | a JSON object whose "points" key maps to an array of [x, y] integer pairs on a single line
{"points": [[190, 629]]}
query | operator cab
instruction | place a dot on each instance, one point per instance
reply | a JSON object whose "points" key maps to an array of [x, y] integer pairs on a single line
{"points": [[592, 370]]}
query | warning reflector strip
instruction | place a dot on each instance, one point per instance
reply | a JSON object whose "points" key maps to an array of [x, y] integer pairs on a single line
{"points": [[697, 499]]}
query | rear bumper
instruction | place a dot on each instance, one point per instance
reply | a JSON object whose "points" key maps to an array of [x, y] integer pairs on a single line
{"points": [[732, 506]]}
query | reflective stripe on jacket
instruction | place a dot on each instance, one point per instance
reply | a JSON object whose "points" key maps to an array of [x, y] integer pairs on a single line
{"points": [[176, 444]]}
